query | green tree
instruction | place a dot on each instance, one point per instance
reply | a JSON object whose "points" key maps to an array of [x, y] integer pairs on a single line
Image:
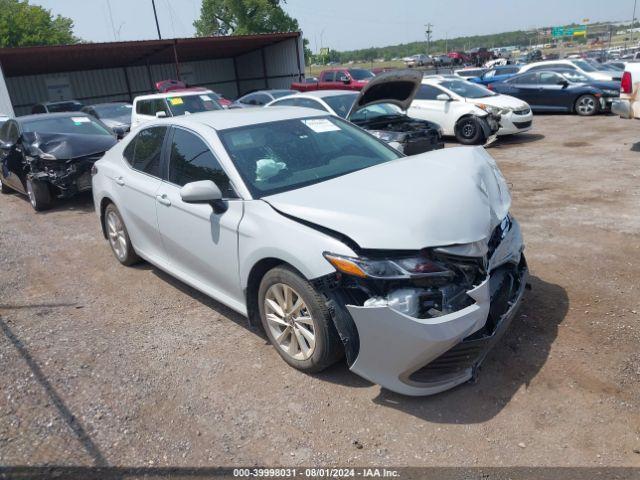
{"points": [[242, 17], [23, 25]]}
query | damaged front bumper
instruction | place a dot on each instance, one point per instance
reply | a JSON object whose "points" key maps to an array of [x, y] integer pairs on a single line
{"points": [[68, 176], [424, 356]]}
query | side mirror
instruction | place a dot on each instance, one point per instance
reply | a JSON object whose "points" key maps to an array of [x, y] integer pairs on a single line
{"points": [[203, 191], [443, 97], [344, 79], [564, 83], [119, 132], [161, 114]]}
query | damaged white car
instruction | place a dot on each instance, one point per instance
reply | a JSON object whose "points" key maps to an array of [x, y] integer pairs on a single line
{"points": [[410, 267]]}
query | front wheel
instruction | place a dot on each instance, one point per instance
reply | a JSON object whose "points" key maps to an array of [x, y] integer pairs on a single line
{"points": [[39, 194], [469, 131], [297, 321], [586, 105], [5, 188]]}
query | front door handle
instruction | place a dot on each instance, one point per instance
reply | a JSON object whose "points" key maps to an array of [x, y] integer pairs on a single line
{"points": [[163, 199], [120, 181]]}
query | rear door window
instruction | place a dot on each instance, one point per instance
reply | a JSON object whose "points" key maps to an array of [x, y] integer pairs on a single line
{"points": [[144, 152], [428, 92]]}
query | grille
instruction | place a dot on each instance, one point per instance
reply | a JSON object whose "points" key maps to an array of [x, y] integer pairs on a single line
{"points": [[522, 124], [524, 111]]}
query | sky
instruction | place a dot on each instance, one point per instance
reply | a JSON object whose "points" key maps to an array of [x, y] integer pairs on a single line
{"points": [[344, 25]]}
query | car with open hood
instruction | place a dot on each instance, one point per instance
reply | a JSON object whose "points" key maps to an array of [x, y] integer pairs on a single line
{"points": [[378, 108], [410, 267], [51, 155], [470, 112]]}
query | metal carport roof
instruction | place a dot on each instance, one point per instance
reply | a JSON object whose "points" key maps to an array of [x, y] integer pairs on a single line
{"points": [[87, 56]]}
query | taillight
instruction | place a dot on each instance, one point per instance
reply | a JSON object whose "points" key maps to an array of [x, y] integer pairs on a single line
{"points": [[626, 84]]}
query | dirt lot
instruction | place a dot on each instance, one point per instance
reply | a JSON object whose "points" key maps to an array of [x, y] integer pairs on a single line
{"points": [[103, 364]]}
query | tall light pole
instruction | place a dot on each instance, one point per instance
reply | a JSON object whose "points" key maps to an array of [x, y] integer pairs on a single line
{"points": [[155, 14]]}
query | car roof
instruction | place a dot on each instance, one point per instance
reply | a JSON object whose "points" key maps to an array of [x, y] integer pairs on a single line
{"points": [[233, 118], [58, 102], [324, 93], [40, 116], [182, 93], [437, 78], [104, 104]]}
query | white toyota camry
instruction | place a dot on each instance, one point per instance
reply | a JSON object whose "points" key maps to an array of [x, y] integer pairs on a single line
{"points": [[410, 267]]}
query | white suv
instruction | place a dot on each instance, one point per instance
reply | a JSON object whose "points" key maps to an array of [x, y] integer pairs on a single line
{"points": [[628, 105], [172, 104]]}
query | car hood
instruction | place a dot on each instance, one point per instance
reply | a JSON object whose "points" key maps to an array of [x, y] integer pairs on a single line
{"points": [[68, 146], [445, 197], [398, 87], [500, 101]]}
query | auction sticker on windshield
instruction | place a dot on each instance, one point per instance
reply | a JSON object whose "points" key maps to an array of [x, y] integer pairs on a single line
{"points": [[79, 120], [320, 125], [176, 101], [205, 98]]}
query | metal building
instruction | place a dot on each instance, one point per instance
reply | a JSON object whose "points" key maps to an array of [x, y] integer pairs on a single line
{"points": [[119, 71]]}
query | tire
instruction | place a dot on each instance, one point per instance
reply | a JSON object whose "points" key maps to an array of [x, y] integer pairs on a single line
{"points": [[5, 189], [119, 237], [586, 105], [469, 131], [39, 194], [315, 319]]}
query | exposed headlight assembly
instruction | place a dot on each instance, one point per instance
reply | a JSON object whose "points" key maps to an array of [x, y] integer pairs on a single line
{"points": [[489, 108], [388, 268], [611, 93], [387, 136]]}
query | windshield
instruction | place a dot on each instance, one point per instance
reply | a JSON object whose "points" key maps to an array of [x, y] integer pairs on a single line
{"points": [[371, 112], [360, 74], [586, 66], [64, 107], [341, 104], [466, 89], [575, 76], [115, 111], [181, 104], [66, 125], [288, 154]]}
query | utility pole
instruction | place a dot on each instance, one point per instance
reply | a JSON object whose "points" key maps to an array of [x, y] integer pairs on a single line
{"points": [[155, 14], [633, 21], [428, 32]]}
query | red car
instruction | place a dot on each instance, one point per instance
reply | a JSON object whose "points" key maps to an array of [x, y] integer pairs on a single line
{"points": [[164, 86], [337, 79]]}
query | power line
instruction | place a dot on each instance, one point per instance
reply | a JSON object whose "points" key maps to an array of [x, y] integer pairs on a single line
{"points": [[155, 14]]}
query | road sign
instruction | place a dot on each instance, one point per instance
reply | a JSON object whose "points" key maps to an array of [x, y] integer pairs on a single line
{"points": [[324, 52], [579, 31]]}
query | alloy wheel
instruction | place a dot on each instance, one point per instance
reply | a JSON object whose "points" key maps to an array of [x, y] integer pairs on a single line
{"points": [[117, 238], [290, 321], [586, 105]]}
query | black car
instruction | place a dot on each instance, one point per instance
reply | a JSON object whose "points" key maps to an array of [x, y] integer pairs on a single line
{"points": [[115, 115], [56, 107], [51, 155], [560, 90]]}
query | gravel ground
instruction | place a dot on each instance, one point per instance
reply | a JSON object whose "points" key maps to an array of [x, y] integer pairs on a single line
{"points": [[107, 365]]}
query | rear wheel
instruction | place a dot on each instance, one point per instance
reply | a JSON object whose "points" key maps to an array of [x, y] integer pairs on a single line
{"points": [[119, 237], [586, 105], [469, 131], [297, 321], [39, 194]]}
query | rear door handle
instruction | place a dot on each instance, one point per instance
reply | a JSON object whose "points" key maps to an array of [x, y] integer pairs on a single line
{"points": [[120, 181], [163, 199]]}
